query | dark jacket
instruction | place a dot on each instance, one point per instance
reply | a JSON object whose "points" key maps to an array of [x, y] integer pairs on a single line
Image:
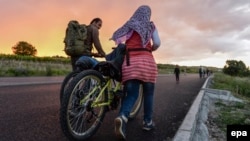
{"points": [[93, 38]]}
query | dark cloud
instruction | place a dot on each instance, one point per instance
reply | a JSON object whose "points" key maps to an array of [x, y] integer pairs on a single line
{"points": [[198, 29]]}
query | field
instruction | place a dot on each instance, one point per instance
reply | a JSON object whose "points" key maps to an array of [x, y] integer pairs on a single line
{"points": [[229, 113], [13, 65]]}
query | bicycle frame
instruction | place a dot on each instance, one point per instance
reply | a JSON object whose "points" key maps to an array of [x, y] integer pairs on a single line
{"points": [[87, 98], [110, 93]]}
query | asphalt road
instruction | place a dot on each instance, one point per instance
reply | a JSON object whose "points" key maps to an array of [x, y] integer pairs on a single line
{"points": [[31, 112]]}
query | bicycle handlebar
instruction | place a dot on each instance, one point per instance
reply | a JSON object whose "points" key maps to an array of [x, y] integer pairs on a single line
{"points": [[97, 55]]}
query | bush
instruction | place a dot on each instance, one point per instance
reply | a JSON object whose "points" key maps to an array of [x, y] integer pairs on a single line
{"points": [[238, 85]]}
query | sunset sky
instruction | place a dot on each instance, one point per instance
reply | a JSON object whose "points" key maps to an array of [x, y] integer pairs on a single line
{"points": [[192, 32]]}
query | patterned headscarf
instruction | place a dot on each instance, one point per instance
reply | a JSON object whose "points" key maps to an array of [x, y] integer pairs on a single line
{"points": [[139, 22]]}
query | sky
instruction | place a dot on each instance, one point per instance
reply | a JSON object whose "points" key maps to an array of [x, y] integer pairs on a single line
{"points": [[192, 32]]}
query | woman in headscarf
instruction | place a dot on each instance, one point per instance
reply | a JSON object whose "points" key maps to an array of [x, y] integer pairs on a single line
{"points": [[139, 66]]}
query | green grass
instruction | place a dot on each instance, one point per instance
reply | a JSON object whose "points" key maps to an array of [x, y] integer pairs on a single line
{"points": [[17, 65], [237, 85], [232, 112], [14, 65]]}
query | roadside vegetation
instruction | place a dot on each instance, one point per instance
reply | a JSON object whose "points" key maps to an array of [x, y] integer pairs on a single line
{"points": [[27, 65], [231, 113], [24, 62], [20, 65]]}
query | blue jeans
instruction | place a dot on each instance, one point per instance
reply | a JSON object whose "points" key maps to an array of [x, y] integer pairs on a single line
{"points": [[132, 89]]}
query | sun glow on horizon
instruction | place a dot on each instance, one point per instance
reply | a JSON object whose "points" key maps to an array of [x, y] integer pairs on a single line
{"points": [[187, 38]]}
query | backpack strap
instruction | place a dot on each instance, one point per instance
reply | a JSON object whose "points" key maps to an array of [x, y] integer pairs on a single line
{"points": [[134, 49]]}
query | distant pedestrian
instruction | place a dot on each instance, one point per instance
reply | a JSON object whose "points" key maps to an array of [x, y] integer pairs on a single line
{"points": [[177, 73], [204, 72], [185, 71], [200, 72], [208, 72]]}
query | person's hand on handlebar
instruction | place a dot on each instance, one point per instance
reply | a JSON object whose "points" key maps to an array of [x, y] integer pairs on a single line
{"points": [[97, 55]]}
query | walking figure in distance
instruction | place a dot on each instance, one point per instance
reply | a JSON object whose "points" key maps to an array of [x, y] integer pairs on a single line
{"points": [[139, 67], [200, 72], [177, 73]]}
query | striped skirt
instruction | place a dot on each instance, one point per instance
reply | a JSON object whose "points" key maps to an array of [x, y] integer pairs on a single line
{"points": [[142, 67]]}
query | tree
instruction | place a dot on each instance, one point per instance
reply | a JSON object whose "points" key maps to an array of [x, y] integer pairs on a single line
{"points": [[235, 68], [24, 48]]}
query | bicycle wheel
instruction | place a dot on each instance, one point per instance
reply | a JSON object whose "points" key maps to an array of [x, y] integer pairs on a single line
{"points": [[66, 82], [78, 118], [138, 104]]}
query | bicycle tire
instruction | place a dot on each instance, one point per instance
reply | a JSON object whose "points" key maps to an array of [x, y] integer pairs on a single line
{"points": [[68, 78], [137, 106], [81, 121]]}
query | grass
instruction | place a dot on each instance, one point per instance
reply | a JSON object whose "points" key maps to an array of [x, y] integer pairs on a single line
{"points": [[10, 67], [17, 65], [232, 113], [237, 85]]}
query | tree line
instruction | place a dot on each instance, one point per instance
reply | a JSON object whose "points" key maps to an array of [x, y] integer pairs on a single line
{"points": [[236, 68]]}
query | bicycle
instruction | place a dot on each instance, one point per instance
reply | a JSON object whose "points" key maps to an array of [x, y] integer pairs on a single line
{"points": [[89, 96], [81, 65]]}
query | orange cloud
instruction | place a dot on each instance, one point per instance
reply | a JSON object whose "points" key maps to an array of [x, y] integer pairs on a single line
{"points": [[189, 31]]}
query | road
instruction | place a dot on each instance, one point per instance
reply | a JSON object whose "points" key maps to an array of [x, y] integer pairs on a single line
{"points": [[31, 112]]}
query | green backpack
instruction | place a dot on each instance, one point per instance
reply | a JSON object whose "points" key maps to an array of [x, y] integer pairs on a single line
{"points": [[75, 37]]}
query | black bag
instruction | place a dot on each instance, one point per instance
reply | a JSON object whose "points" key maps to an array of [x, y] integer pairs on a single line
{"points": [[113, 66], [117, 55]]}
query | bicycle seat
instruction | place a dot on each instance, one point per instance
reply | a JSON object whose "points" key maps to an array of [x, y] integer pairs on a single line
{"points": [[109, 68]]}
